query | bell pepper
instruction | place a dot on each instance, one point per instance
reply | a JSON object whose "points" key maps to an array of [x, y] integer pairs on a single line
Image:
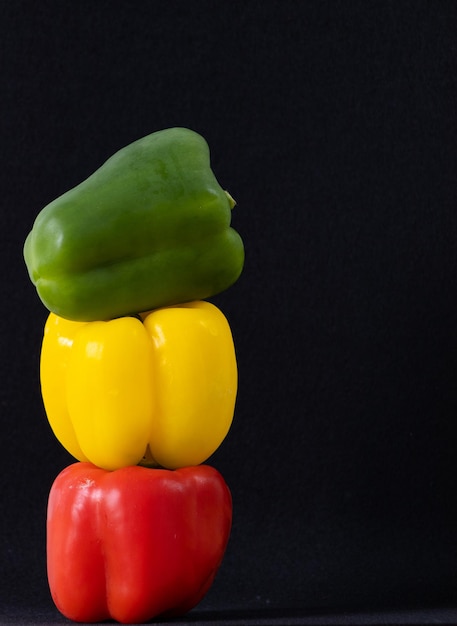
{"points": [[149, 228], [158, 390], [135, 543]]}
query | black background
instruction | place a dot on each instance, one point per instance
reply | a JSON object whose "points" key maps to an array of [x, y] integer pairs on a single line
{"points": [[334, 125]]}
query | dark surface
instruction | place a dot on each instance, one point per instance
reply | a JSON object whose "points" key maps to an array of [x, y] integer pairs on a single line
{"points": [[267, 617], [334, 126]]}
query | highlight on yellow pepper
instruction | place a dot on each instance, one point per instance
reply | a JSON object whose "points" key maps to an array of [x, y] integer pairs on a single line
{"points": [[159, 390]]}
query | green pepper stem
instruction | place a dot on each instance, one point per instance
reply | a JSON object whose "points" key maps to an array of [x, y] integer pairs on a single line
{"points": [[232, 201]]}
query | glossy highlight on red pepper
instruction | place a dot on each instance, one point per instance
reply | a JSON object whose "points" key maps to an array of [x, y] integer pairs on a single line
{"points": [[135, 543]]}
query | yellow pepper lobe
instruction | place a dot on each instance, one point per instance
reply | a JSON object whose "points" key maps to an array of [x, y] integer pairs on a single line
{"points": [[109, 392], [59, 335], [196, 373]]}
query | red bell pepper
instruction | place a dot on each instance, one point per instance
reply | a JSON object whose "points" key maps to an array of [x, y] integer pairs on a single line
{"points": [[135, 543]]}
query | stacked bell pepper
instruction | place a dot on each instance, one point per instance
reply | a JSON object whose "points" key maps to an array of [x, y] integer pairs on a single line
{"points": [[139, 379]]}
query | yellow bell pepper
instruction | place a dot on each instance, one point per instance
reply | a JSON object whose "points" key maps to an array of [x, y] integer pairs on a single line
{"points": [[159, 390]]}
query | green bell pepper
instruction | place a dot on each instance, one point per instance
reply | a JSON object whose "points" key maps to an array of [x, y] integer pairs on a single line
{"points": [[149, 228]]}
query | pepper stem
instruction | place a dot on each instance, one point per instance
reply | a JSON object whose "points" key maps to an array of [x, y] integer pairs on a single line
{"points": [[232, 201]]}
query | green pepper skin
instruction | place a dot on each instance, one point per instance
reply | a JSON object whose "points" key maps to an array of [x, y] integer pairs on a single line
{"points": [[149, 228]]}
